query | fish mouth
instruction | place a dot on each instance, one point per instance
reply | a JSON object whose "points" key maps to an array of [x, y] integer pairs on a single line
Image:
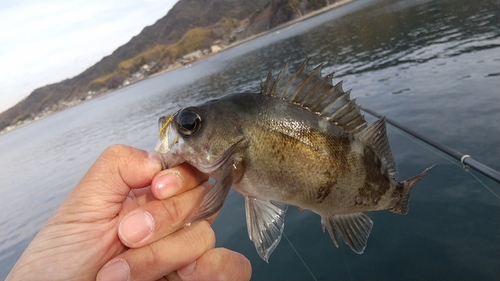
{"points": [[169, 160], [170, 147], [165, 123], [168, 138]]}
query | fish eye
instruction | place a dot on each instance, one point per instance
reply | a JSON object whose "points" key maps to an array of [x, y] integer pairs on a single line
{"points": [[188, 122]]}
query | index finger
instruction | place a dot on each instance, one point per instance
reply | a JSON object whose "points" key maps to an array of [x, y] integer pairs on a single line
{"points": [[176, 180], [119, 169]]}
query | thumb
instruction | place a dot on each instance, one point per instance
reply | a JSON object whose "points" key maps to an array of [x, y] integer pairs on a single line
{"points": [[117, 170]]}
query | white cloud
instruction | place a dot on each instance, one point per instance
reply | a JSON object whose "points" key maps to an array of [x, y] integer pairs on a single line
{"points": [[44, 42]]}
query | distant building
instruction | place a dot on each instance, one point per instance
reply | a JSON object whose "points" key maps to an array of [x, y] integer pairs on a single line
{"points": [[215, 48], [192, 56]]}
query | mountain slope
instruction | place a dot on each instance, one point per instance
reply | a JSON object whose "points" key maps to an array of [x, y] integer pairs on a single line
{"points": [[185, 15]]}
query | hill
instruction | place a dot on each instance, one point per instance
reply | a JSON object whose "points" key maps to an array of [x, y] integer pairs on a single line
{"points": [[189, 25]]}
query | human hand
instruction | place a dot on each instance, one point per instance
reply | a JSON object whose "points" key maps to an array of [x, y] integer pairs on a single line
{"points": [[112, 227]]}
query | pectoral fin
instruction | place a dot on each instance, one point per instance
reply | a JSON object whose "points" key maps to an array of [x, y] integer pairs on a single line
{"points": [[265, 223], [213, 200], [354, 229]]}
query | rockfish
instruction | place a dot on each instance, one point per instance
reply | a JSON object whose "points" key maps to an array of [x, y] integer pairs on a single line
{"points": [[301, 141]]}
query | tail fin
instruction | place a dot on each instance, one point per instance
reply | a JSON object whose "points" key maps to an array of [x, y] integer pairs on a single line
{"points": [[402, 206]]}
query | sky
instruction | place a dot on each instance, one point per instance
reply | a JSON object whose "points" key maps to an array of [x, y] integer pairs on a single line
{"points": [[46, 41]]}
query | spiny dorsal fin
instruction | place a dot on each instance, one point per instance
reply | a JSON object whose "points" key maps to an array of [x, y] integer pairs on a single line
{"points": [[375, 135], [316, 94], [279, 85]]}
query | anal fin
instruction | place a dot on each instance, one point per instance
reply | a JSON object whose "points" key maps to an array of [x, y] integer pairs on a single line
{"points": [[354, 229], [265, 223]]}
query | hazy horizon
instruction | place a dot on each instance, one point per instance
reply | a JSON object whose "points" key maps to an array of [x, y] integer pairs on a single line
{"points": [[45, 42]]}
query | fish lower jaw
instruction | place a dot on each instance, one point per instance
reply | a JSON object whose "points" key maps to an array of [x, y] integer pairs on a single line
{"points": [[170, 160]]}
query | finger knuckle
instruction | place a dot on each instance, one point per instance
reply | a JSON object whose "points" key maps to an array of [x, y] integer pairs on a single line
{"points": [[115, 149], [173, 212], [232, 266], [208, 234]]}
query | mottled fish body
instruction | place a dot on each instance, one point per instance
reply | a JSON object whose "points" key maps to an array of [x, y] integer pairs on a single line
{"points": [[301, 141]]}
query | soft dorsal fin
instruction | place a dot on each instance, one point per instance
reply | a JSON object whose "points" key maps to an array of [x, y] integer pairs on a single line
{"points": [[375, 135], [316, 94]]}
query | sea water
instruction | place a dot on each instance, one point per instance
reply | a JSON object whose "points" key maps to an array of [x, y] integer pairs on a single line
{"points": [[433, 66]]}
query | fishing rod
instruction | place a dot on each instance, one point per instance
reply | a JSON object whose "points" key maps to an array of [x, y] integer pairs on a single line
{"points": [[465, 159]]}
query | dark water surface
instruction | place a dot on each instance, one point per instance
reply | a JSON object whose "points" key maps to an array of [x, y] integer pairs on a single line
{"points": [[431, 65]]}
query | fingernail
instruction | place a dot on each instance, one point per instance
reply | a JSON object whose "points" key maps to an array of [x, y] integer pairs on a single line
{"points": [[136, 227], [167, 185], [187, 270], [117, 270], [154, 161]]}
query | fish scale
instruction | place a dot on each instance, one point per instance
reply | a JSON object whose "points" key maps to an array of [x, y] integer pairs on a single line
{"points": [[300, 141]]}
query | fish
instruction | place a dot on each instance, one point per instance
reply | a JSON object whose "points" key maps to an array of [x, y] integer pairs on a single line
{"points": [[300, 141]]}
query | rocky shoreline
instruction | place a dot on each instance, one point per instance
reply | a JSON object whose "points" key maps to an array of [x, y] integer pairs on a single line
{"points": [[63, 105]]}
